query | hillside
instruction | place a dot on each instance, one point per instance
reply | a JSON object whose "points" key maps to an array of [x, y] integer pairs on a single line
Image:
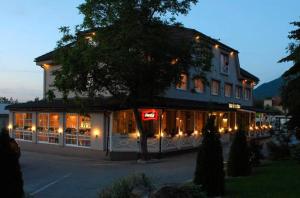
{"points": [[268, 89]]}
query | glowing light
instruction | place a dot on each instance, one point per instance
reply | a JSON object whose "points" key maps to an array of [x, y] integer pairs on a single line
{"points": [[93, 33], [229, 129], [231, 53], [251, 128], [235, 127], [196, 132], [256, 127], [46, 66], [216, 46], [138, 135], [221, 130], [162, 134], [60, 130], [96, 132], [33, 128], [180, 133], [197, 38], [270, 126], [174, 61], [9, 127]]}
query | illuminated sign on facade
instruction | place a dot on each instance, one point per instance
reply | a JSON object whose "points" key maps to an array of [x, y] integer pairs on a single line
{"points": [[234, 106], [149, 114]]}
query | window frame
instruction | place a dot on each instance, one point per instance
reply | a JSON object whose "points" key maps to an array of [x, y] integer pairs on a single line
{"points": [[203, 84], [240, 88], [231, 90], [222, 63], [179, 85], [219, 87]]}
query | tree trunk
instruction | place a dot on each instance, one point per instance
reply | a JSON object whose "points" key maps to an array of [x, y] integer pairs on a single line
{"points": [[143, 135]]}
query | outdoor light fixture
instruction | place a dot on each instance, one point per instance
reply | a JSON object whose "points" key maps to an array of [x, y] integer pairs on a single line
{"points": [[197, 38], [60, 130], [46, 66], [138, 135], [231, 53], [96, 132], [9, 127], [180, 133], [33, 128], [229, 129], [235, 127], [216, 46], [251, 128], [162, 134], [196, 132]]}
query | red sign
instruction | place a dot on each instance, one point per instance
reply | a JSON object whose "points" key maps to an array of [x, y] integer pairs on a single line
{"points": [[149, 114]]}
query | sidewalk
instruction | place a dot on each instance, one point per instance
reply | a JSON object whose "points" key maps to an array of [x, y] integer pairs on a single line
{"points": [[63, 151]]}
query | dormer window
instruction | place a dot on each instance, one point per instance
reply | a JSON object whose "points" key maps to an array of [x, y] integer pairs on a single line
{"points": [[224, 63], [182, 85]]}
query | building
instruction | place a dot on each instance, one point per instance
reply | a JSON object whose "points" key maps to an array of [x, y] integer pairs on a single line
{"points": [[3, 116], [175, 120], [274, 103]]}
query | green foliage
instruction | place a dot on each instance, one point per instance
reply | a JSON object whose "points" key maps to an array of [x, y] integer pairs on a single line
{"points": [[296, 152], [291, 89], [255, 152], [5, 100], [123, 188], [239, 156], [209, 168], [10, 170], [279, 148], [185, 191]]}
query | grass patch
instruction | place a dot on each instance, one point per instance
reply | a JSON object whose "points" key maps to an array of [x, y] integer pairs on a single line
{"points": [[273, 179]]}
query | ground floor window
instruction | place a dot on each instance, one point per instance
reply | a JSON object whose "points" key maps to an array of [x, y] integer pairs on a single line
{"points": [[78, 130], [124, 122], [48, 126], [23, 126]]}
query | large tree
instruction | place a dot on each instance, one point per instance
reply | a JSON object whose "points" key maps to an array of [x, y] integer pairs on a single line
{"points": [[130, 50], [291, 88]]}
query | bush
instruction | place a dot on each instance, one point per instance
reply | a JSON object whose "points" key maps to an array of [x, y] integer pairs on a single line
{"points": [[279, 148], [186, 191], [255, 152], [209, 168], [296, 153], [125, 187], [10, 169], [239, 156]]}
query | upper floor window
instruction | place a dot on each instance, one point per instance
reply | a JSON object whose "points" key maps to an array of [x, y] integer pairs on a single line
{"points": [[198, 85], [224, 63], [215, 87], [183, 82], [228, 90], [238, 92], [247, 94]]}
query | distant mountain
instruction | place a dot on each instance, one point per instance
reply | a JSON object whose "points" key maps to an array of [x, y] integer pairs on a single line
{"points": [[268, 89]]}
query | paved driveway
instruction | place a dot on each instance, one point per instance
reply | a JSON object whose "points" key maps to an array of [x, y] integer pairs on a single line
{"points": [[48, 175]]}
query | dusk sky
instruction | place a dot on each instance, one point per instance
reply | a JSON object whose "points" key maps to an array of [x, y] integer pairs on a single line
{"points": [[258, 29]]}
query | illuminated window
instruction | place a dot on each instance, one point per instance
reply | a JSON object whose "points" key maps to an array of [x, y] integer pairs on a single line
{"points": [[71, 121], [124, 122], [224, 63], [228, 90], [54, 122], [215, 87], [238, 92], [43, 122], [199, 85], [182, 85], [199, 121], [23, 121]]}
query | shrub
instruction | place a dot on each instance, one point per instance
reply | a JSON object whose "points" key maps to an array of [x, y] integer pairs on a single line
{"points": [[123, 188], [239, 156], [186, 191], [255, 152], [296, 153], [10, 169], [279, 148], [209, 168]]}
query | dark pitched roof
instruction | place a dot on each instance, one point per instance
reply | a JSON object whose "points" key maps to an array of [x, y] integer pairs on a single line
{"points": [[248, 75], [177, 31]]}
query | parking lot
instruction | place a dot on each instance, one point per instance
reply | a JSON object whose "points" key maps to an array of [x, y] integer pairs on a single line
{"points": [[53, 175]]}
